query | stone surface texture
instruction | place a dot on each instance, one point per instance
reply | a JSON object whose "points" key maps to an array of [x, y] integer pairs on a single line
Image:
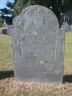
{"points": [[63, 26], [11, 26], [5, 25], [70, 28], [14, 20], [66, 27], [38, 46], [4, 31], [1, 31]]}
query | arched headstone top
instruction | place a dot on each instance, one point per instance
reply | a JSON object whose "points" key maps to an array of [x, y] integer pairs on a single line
{"points": [[5, 25], [39, 16]]}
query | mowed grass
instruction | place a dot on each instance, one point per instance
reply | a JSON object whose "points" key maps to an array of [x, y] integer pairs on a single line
{"points": [[8, 86], [5, 54]]}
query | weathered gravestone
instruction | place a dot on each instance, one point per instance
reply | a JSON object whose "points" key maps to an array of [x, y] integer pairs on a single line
{"points": [[66, 27], [4, 28], [4, 25], [11, 26], [14, 20], [70, 28], [4, 31], [1, 31], [63, 26], [38, 46]]}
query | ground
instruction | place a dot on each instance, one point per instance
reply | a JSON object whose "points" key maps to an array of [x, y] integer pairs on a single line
{"points": [[8, 86]]}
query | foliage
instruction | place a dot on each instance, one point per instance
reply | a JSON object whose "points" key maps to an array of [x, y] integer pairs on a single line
{"points": [[7, 14], [10, 5], [19, 6], [57, 6], [1, 22]]}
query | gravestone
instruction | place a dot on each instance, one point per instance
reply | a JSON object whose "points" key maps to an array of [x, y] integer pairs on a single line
{"points": [[63, 26], [4, 28], [14, 20], [70, 28], [11, 26], [5, 25], [66, 27], [4, 31], [37, 46], [1, 31]]}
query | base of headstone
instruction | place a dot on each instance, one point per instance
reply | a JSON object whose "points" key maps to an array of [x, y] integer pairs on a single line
{"points": [[48, 78], [4, 31]]}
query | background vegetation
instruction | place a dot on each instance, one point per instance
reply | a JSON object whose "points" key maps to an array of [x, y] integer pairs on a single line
{"points": [[1, 21]]}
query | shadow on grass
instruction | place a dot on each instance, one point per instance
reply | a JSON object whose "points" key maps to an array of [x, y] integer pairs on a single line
{"points": [[67, 78], [6, 74]]}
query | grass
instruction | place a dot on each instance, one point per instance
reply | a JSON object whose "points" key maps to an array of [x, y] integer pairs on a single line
{"points": [[8, 86]]}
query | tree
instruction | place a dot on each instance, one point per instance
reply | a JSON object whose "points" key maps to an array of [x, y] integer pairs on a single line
{"points": [[19, 6], [57, 6], [1, 22], [7, 14]]}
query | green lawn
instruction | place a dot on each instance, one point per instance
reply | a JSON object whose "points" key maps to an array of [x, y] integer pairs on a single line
{"points": [[8, 86]]}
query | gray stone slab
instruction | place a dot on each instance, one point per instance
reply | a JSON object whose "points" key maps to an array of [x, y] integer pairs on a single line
{"points": [[9, 28], [4, 31], [1, 31], [14, 20], [63, 26], [5, 25], [38, 46], [66, 27], [71, 28]]}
